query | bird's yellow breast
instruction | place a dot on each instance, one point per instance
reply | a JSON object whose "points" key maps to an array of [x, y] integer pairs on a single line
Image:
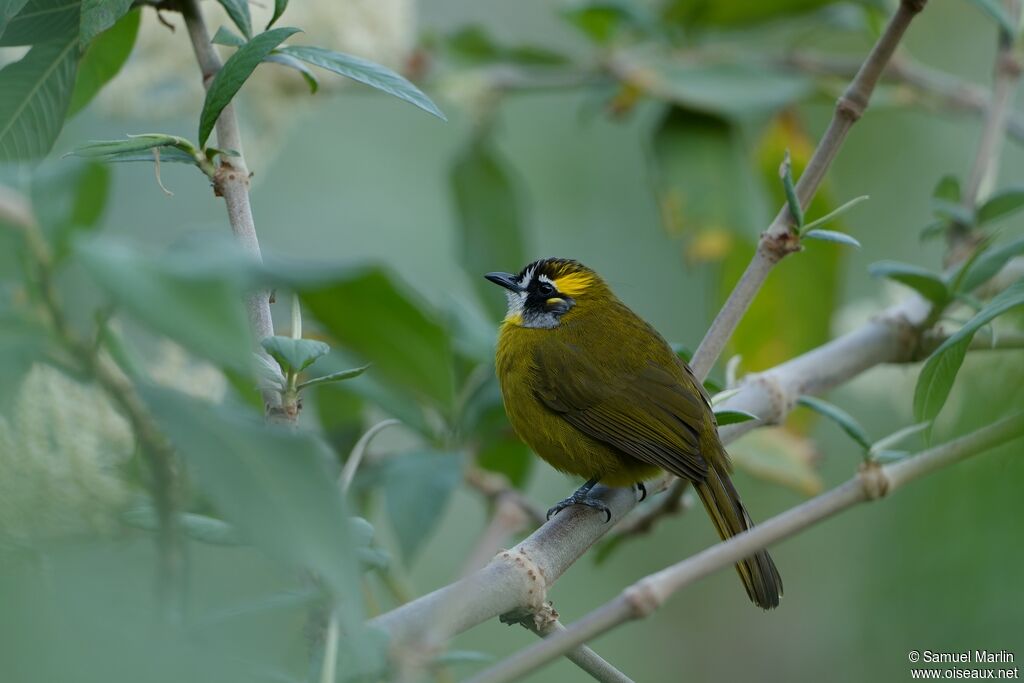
{"points": [[550, 436]]}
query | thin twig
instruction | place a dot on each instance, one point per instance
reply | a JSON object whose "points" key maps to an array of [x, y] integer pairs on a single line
{"points": [[356, 456], [231, 181], [645, 596], [582, 656], [780, 240], [496, 486]]}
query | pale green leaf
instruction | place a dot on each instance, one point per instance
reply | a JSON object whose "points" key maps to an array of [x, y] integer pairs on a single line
{"points": [[233, 75], [990, 263], [940, 369], [277, 57], [334, 377], [840, 417], [103, 59], [1001, 204], [99, 15], [928, 284], [36, 92], [831, 236], [294, 355], [728, 417], [366, 72], [279, 7], [238, 10]]}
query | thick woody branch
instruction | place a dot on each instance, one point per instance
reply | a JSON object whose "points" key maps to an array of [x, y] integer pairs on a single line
{"points": [[645, 596], [231, 181], [780, 239]]}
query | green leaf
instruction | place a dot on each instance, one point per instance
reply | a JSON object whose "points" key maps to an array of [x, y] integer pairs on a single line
{"points": [[279, 7], [940, 370], [988, 264], [831, 215], [1001, 204], [103, 59], [729, 417], [366, 72], [417, 487], [728, 13], [8, 10], [928, 284], [490, 219], [294, 355], [99, 15], [690, 150], [178, 294], [36, 92], [605, 20], [737, 91], [796, 211], [887, 442], [197, 527], [234, 73], [994, 9], [367, 312], [225, 36], [271, 483], [238, 10], [333, 377], [41, 21], [145, 147], [69, 199], [831, 236], [473, 45], [840, 417], [947, 189], [953, 211], [292, 63]]}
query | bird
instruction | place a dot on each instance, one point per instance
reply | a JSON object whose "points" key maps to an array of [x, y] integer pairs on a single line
{"points": [[598, 393]]}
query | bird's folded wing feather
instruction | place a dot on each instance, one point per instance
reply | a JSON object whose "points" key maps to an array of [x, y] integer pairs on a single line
{"points": [[636, 405]]}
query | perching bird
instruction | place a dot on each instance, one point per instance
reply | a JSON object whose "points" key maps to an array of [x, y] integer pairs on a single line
{"points": [[598, 393]]}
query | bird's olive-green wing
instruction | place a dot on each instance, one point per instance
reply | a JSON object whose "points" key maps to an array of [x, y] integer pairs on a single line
{"points": [[633, 403]]}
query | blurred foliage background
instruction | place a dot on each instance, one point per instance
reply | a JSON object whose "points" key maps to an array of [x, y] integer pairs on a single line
{"points": [[382, 219]]}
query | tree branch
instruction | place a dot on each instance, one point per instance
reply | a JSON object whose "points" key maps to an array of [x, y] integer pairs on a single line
{"points": [[645, 596], [780, 240], [231, 181]]}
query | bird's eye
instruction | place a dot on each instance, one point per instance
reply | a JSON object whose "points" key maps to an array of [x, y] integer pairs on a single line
{"points": [[545, 289]]}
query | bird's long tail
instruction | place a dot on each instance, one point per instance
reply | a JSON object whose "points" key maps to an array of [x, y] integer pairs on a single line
{"points": [[758, 572]]}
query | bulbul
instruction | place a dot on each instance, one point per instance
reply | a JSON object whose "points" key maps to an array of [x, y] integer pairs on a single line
{"points": [[598, 393]]}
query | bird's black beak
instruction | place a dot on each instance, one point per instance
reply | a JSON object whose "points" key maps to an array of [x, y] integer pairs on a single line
{"points": [[506, 280]]}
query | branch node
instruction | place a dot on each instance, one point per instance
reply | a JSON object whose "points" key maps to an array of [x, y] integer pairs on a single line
{"points": [[851, 105], [225, 174], [1008, 64], [873, 480], [914, 6], [643, 598], [776, 245], [534, 579], [781, 401], [908, 337]]}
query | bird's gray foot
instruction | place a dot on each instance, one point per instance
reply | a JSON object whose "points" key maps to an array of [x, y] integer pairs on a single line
{"points": [[643, 491], [581, 496]]}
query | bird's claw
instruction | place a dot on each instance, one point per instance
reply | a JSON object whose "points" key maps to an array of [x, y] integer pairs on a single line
{"points": [[643, 491], [583, 498]]}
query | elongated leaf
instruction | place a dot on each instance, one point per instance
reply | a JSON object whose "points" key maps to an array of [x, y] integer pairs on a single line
{"points": [[103, 59], [417, 487], [994, 9], [99, 15], [294, 355], [138, 148], [832, 215], [41, 21], [279, 7], [178, 295], [334, 377], [233, 75], [307, 74], [1001, 204], [367, 312], [490, 219], [238, 10], [36, 92], [225, 36], [272, 484], [729, 417], [840, 417], [605, 20], [990, 263], [940, 370], [928, 284], [831, 236], [366, 72], [735, 91], [953, 211], [8, 10]]}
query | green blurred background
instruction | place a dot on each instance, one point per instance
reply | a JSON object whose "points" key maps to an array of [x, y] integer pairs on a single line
{"points": [[353, 178]]}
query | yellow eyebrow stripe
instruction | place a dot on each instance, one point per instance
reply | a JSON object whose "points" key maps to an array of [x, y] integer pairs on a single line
{"points": [[573, 284]]}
